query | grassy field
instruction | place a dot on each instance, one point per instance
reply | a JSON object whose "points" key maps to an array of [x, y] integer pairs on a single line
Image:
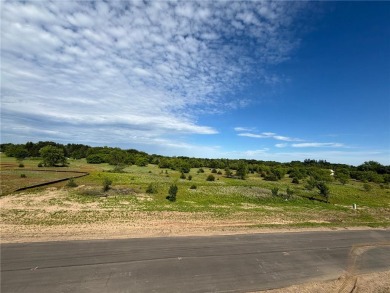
{"points": [[225, 201]]}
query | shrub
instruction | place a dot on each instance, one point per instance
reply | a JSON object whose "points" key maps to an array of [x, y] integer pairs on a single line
{"points": [[118, 169], [275, 191], [21, 165], [172, 193], [96, 159], [271, 177], [219, 172], [190, 177], [40, 165], [23, 176], [311, 183], [324, 190], [106, 184], [367, 187], [290, 192], [193, 186], [182, 176], [152, 188], [210, 178], [200, 170], [295, 180], [71, 183], [214, 171]]}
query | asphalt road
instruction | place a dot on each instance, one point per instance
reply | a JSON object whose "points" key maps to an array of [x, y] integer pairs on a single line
{"points": [[237, 263]]}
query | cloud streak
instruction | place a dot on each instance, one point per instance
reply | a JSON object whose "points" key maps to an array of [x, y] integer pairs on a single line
{"points": [[131, 68]]}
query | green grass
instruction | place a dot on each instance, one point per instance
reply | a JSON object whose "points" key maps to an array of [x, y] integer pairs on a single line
{"points": [[225, 198]]}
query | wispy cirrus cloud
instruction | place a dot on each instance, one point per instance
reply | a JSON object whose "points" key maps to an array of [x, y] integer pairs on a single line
{"points": [[300, 143], [114, 71], [317, 145], [268, 135]]}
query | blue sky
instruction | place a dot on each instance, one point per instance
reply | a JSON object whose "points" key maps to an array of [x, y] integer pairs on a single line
{"points": [[281, 81]]}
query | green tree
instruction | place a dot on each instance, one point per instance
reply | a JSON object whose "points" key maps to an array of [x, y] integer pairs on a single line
{"points": [[52, 156], [242, 170], [324, 190], [172, 192], [117, 157]]}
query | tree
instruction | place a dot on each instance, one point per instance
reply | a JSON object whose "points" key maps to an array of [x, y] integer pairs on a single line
{"points": [[52, 156], [172, 192], [324, 190], [242, 170], [117, 157]]}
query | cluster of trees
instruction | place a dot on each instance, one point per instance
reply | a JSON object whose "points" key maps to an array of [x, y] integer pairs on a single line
{"points": [[319, 170]]}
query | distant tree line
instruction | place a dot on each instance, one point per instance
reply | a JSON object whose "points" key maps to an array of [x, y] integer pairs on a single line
{"points": [[310, 170]]}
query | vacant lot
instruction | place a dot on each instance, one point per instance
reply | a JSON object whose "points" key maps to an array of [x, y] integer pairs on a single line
{"points": [[225, 205]]}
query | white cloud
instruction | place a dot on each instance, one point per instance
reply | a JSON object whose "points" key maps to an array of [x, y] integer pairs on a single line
{"points": [[265, 135], [90, 67], [317, 145]]}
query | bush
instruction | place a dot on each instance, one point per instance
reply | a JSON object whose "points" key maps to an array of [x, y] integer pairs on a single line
{"points": [[311, 183], [210, 178], [21, 165], [275, 191], [190, 177], [96, 159], [107, 184], [324, 190], [367, 187], [290, 192], [214, 171], [193, 186], [40, 165], [201, 170], [182, 176], [23, 176], [172, 193], [152, 188], [295, 180], [71, 183], [118, 169]]}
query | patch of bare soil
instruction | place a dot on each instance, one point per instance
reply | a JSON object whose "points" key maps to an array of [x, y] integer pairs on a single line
{"points": [[367, 283]]}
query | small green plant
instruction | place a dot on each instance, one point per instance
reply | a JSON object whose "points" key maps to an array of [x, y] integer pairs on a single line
{"points": [[182, 176], [152, 188], [23, 176], [21, 165], [200, 170], [214, 171], [210, 177], [40, 165], [71, 183], [172, 193], [289, 192], [190, 177], [107, 184], [367, 187], [275, 191], [193, 186]]}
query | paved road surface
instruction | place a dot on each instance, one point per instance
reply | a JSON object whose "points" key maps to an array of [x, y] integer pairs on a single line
{"points": [[237, 263]]}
